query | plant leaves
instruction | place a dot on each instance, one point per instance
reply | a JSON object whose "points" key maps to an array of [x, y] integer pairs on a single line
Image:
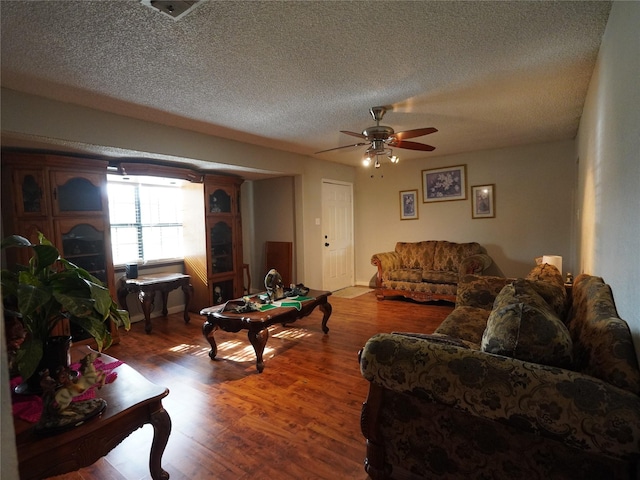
{"points": [[15, 241], [46, 255], [28, 357], [96, 328]]}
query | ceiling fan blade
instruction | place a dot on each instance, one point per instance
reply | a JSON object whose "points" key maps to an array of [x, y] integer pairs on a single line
{"points": [[345, 146], [353, 134], [418, 132], [411, 145]]}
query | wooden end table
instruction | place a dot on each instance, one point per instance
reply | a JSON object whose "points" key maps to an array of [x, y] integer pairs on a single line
{"points": [[146, 287], [258, 323], [132, 401]]}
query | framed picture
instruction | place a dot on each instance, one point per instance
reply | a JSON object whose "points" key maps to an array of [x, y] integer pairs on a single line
{"points": [[444, 184], [483, 201], [409, 205]]}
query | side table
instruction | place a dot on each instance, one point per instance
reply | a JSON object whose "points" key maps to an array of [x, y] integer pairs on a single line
{"points": [[132, 401], [146, 287]]}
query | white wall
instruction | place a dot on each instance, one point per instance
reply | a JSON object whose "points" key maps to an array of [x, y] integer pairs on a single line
{"points": [[534, 190], [609, 175]]}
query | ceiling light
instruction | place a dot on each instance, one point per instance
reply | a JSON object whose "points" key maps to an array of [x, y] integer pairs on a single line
{"points": [[175, 9]]}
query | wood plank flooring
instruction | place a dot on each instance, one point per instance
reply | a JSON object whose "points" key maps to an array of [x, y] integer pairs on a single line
{"points": [[299, 419]]}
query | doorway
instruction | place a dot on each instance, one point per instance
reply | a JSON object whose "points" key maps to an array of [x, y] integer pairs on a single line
{"points": [[337, 235]]}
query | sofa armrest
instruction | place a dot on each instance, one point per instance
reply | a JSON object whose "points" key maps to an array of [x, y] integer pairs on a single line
{"points": [[576, 409], [385, 262], [475, 264]]}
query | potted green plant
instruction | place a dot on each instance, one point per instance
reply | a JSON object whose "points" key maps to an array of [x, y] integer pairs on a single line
{"points": [[49, 290]]}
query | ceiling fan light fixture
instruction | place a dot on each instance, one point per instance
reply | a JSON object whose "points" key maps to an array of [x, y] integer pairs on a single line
{"points": [[368, 155]]}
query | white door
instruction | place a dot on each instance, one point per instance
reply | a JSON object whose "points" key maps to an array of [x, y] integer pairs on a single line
{"points": [[337, 235]]}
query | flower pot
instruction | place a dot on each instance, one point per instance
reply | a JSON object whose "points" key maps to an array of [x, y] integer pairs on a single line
{"points": [[56, 354]]}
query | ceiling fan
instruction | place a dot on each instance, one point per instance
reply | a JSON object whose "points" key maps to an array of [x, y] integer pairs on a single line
{"points": [[381, 138]]}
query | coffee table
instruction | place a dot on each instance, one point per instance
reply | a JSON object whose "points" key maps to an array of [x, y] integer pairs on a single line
{"points": [[258, 323], [132, 401]]}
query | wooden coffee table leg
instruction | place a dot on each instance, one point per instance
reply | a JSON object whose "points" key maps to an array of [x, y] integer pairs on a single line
{"points": [[258, 339], [208, 329], [326, 309], [161, 429]]}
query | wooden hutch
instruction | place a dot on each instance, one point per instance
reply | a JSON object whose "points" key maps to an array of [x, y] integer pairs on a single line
{"points": [[65, 198]]}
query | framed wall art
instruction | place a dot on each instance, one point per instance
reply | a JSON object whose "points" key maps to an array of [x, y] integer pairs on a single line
{"points": [[483, 201], [444, 184], [409, 205]]}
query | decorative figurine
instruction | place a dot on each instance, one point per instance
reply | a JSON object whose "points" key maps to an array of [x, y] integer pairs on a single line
{"points": [[273, 284], [59, 412]]}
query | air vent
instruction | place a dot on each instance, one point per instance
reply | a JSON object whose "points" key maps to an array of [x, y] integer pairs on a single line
{"points": [[175, 9]]}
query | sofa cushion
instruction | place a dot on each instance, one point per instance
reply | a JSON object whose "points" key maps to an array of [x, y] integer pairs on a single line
{"points": [[465, 323], [405, 275], [479, 291], [523, 326], [433, 276], [448, 255], [603, 342], [416, 254]]}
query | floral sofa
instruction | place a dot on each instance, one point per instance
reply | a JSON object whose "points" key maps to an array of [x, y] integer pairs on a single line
{"points": [[481, 398], [428, 270]]}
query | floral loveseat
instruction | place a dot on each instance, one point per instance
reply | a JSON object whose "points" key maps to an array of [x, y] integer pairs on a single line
{"points": [[444, 406], [428, 270]]}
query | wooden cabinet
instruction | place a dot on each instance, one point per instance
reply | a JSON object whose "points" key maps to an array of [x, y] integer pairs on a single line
{"points": [[65, 198], [213, 240]]}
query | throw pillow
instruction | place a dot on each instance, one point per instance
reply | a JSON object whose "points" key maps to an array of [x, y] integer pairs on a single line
{"points": [[553, 295], [479, 290], [522, 326]]}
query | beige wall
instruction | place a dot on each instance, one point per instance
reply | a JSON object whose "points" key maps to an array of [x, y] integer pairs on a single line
{"points": [[66, 124], [608, 202], [274, 220], [534, 190]]}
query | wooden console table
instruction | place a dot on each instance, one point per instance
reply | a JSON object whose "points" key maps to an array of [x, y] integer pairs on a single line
{"points": [[132, 401], [146, 287], [258, 323]]}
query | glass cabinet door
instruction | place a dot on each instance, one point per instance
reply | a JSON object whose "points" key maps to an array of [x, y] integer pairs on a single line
{"points": [[84, 245], [30, 187], [77, 192], [221, 247], [223, 291], [218, 200]]}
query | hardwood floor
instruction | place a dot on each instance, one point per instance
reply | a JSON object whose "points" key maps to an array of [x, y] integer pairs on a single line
{"points": [[299, 419]]}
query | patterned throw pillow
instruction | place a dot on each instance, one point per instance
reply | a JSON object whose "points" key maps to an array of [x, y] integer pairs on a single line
{"points": [[522, 325], [479, 290]]}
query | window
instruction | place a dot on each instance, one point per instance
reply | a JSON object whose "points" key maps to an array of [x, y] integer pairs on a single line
{"points": [[146, 218]]}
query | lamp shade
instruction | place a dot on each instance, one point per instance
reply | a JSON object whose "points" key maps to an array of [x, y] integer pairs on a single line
{"points": [[555, 260]]}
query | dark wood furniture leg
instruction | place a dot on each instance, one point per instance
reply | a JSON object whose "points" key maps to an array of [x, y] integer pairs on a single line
{"points": [[165, 297], [208, 329], [187, 289], [161, 429], [375, 462], [146, 300], [258, 338], [326, 309]]}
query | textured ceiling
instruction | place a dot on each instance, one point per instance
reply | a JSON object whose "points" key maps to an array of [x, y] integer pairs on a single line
{"points": [[291, 75]]}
